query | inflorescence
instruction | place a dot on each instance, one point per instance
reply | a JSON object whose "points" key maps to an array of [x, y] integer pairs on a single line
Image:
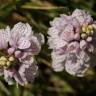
{"points": [[73, 40], [17, 49]]}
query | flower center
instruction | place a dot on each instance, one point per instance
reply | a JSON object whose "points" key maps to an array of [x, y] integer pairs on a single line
{"points": [[87, 30], [6, 61]]}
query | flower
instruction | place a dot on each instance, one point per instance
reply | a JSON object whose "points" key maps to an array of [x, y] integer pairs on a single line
{"points": [[17, 49], [72, 40]]}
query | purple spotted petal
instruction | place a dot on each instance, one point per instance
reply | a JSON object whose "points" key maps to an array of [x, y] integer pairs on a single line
{"points": [[82, 16], [77, 66], [56, 43], [4, 38], [11, 50], [28, 71], [23, 43], [58, 61], [18, 54], [73, 47], [68, 33], [20, 30], [19, 78], [59, 22], [35, 46]]}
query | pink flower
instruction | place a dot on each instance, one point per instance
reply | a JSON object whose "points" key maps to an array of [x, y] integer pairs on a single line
{"points": [[72, 38], [18, 46]]}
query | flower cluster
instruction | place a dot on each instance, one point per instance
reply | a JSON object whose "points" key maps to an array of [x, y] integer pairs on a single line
{"points": [[73, 40], [17, 49]]}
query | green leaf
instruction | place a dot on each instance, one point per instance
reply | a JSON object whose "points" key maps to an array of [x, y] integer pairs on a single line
{"points": [[4, 89]]}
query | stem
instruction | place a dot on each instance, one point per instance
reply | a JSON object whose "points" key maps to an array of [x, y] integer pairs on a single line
{"points": [[44, 62]]}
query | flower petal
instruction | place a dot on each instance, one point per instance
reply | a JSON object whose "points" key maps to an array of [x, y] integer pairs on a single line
{"points": [[73, 47], [59, 23], [7, 34], [58, 61], [56, 43], [19, 78], [3, 40], [21, 30], [23, 43], [28, 71], [35, 46], [8, 76], [76, 66], [83, 44], [82, 16], [68, 33], [53, 32]]}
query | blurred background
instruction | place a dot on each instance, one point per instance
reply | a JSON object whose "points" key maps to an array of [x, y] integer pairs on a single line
{"points": [[38, 13]]}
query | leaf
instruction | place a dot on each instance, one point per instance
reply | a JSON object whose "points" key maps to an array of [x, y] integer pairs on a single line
{"points": [[41, 6], [62, 86], [4, 89], [17, 90]]}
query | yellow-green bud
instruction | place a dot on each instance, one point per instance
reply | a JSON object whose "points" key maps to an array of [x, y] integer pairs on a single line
{"points": [[83, 28], [2, 63], [8, 63], [92, 32], [88, 32], [11, 58], [94, 26], [3, 58], [90, 27], [83, 35]]}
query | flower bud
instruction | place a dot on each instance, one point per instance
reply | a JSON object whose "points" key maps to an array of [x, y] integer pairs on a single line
{"points": [[18, 54], [11, 50], [89, 39], [83, 44]]}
